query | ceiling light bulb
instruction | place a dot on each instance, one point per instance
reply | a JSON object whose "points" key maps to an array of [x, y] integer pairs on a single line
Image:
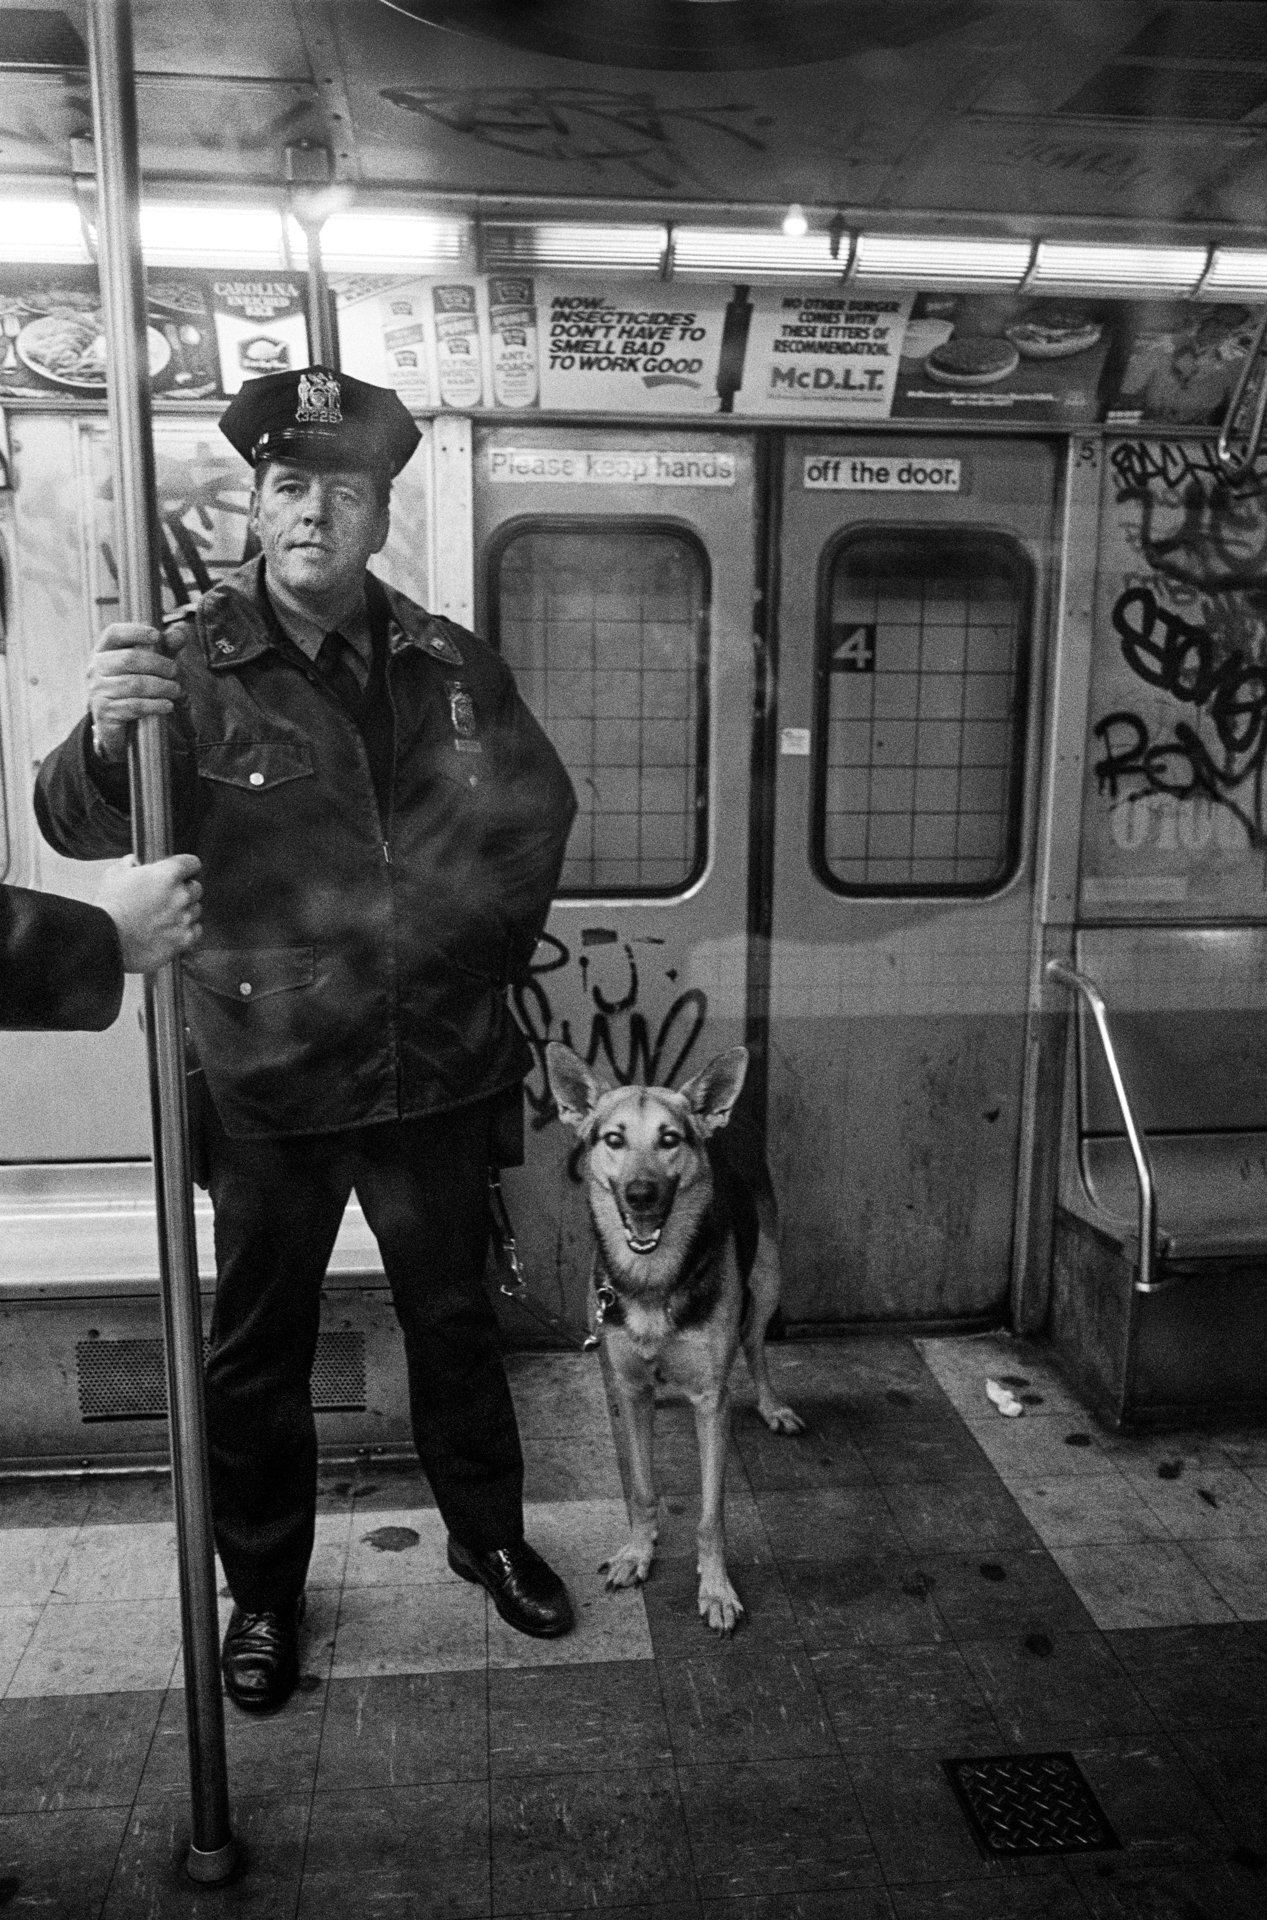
{"points": [[794, 222]]}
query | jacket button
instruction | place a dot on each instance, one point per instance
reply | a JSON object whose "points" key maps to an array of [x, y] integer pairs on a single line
{"points": [[257, 779], [245, 989]]}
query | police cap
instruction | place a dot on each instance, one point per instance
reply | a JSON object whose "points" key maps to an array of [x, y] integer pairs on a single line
{"points": [[323, 418]]}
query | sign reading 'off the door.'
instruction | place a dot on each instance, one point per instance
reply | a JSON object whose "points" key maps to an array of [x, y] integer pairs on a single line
{"points": [[868, 473]]}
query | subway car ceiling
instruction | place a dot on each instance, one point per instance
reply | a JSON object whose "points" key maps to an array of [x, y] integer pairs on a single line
{"points": [[1011, 117]]}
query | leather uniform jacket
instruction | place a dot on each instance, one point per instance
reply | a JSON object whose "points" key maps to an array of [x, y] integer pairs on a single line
{"points": [[354, 964]]}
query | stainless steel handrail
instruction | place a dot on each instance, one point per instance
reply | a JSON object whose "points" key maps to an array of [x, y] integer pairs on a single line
{"points": [[1235, 465], [212, 1856], [1081, 983]]}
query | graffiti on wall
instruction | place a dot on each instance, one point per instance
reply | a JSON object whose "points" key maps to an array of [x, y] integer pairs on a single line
{"points": [[596, 128], [612, 1029], [203, 501], [1179, 719]]}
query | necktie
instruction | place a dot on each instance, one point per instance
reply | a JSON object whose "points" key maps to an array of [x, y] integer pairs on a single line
{"points": [[334, 664]]}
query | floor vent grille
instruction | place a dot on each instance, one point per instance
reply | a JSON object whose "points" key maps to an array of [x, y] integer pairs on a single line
{"points": [[127, 1380], [1019, 1803]]}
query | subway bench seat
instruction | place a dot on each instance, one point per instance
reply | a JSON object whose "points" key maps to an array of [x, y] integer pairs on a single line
{"points": [[1164, 1321]]}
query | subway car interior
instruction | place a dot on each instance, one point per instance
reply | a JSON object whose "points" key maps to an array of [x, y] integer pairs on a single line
{"points": [[845, 419]]}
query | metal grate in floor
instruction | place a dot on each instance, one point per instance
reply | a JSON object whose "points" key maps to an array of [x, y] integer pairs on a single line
{"points": [[1019, 1803]]}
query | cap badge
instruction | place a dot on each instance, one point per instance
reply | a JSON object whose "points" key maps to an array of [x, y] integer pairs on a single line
{"points": [[320, 402]]}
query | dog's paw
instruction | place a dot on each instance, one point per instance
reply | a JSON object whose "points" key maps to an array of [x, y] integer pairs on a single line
{"points": [[720, 1607], [629, 1567], [781, 1419]]}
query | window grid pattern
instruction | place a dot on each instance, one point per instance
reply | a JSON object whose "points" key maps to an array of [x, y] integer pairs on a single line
{"points": [[923, 720], [603, 629]]}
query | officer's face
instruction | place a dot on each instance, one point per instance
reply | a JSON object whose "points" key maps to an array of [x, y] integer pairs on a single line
{"points": [[318, 527]]}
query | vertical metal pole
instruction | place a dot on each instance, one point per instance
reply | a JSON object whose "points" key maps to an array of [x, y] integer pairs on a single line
{"points": [[212, 1854], [319, 302]]}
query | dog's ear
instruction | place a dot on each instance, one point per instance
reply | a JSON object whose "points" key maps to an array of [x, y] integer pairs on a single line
{"points": [[576, 1091], [711, 1095]]}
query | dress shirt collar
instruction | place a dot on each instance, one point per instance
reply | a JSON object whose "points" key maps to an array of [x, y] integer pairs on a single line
{"points": [[308, 634]]}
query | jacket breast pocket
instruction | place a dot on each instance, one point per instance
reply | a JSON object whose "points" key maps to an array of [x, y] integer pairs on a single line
{"points": [[249, 974], [254, 765]]}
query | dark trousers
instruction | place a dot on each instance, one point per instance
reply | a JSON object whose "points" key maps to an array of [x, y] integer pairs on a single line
{"points": [[423, 1186]]}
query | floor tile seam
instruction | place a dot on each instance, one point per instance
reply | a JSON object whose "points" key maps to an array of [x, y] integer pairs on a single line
{"points": [[125, 1832], [5, 1694], [1010, 1489], [321, 1735], [891, 1886], [1200, 1573], [658, 1664], [8, 1688], [897, 1648], [136, 1796], [1173, 1534], [964, 1641], [1012, 1483], [488, 1756], [1212, 1582]]}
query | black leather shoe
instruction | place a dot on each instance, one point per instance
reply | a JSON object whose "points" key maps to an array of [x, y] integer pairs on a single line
{"points": [[527, 1593], [260, 1660]]}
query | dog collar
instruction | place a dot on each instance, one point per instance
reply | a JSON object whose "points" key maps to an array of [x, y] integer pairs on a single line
{"points": [[701, 1254]]}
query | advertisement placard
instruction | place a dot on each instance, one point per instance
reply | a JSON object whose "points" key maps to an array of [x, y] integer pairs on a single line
{"points": [[1178, 362], [52, 335], [1003, 356], [641, 348], [826, 354]]}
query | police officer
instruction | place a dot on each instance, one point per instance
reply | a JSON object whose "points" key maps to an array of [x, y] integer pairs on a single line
{"points": [[381, 824]]}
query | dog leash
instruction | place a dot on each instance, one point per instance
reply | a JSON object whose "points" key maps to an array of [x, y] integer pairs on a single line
{"points": [[513, 1284]]}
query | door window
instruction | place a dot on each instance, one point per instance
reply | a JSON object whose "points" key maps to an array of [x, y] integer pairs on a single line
{"points": [[605, 628], [920, 724]]}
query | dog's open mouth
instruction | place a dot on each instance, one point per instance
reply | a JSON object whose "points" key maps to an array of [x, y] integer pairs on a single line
{"points": [[641, 1235], [641, 1242]]}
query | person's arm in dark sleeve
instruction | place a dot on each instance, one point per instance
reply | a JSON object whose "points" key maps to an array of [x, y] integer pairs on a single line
{"points": [[81, 802], [81, 792], [61, 963], [537, 809]]}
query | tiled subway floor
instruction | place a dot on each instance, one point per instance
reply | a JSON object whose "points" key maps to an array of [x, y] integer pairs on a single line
{"points": [[924, 1579]]}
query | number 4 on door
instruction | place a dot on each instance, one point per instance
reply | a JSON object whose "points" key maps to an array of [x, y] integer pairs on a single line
{"points": [[853, 648]]}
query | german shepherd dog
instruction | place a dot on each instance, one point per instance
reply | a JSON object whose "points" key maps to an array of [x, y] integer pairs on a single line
{"points": [[685, 1268]]}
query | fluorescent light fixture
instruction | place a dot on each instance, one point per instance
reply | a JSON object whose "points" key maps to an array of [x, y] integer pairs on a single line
{"points": [[385, 242], [42, 231], [932, 260], [720, 251], [1236, 270], [176, 235], [1075, 266], [522, 245]]}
